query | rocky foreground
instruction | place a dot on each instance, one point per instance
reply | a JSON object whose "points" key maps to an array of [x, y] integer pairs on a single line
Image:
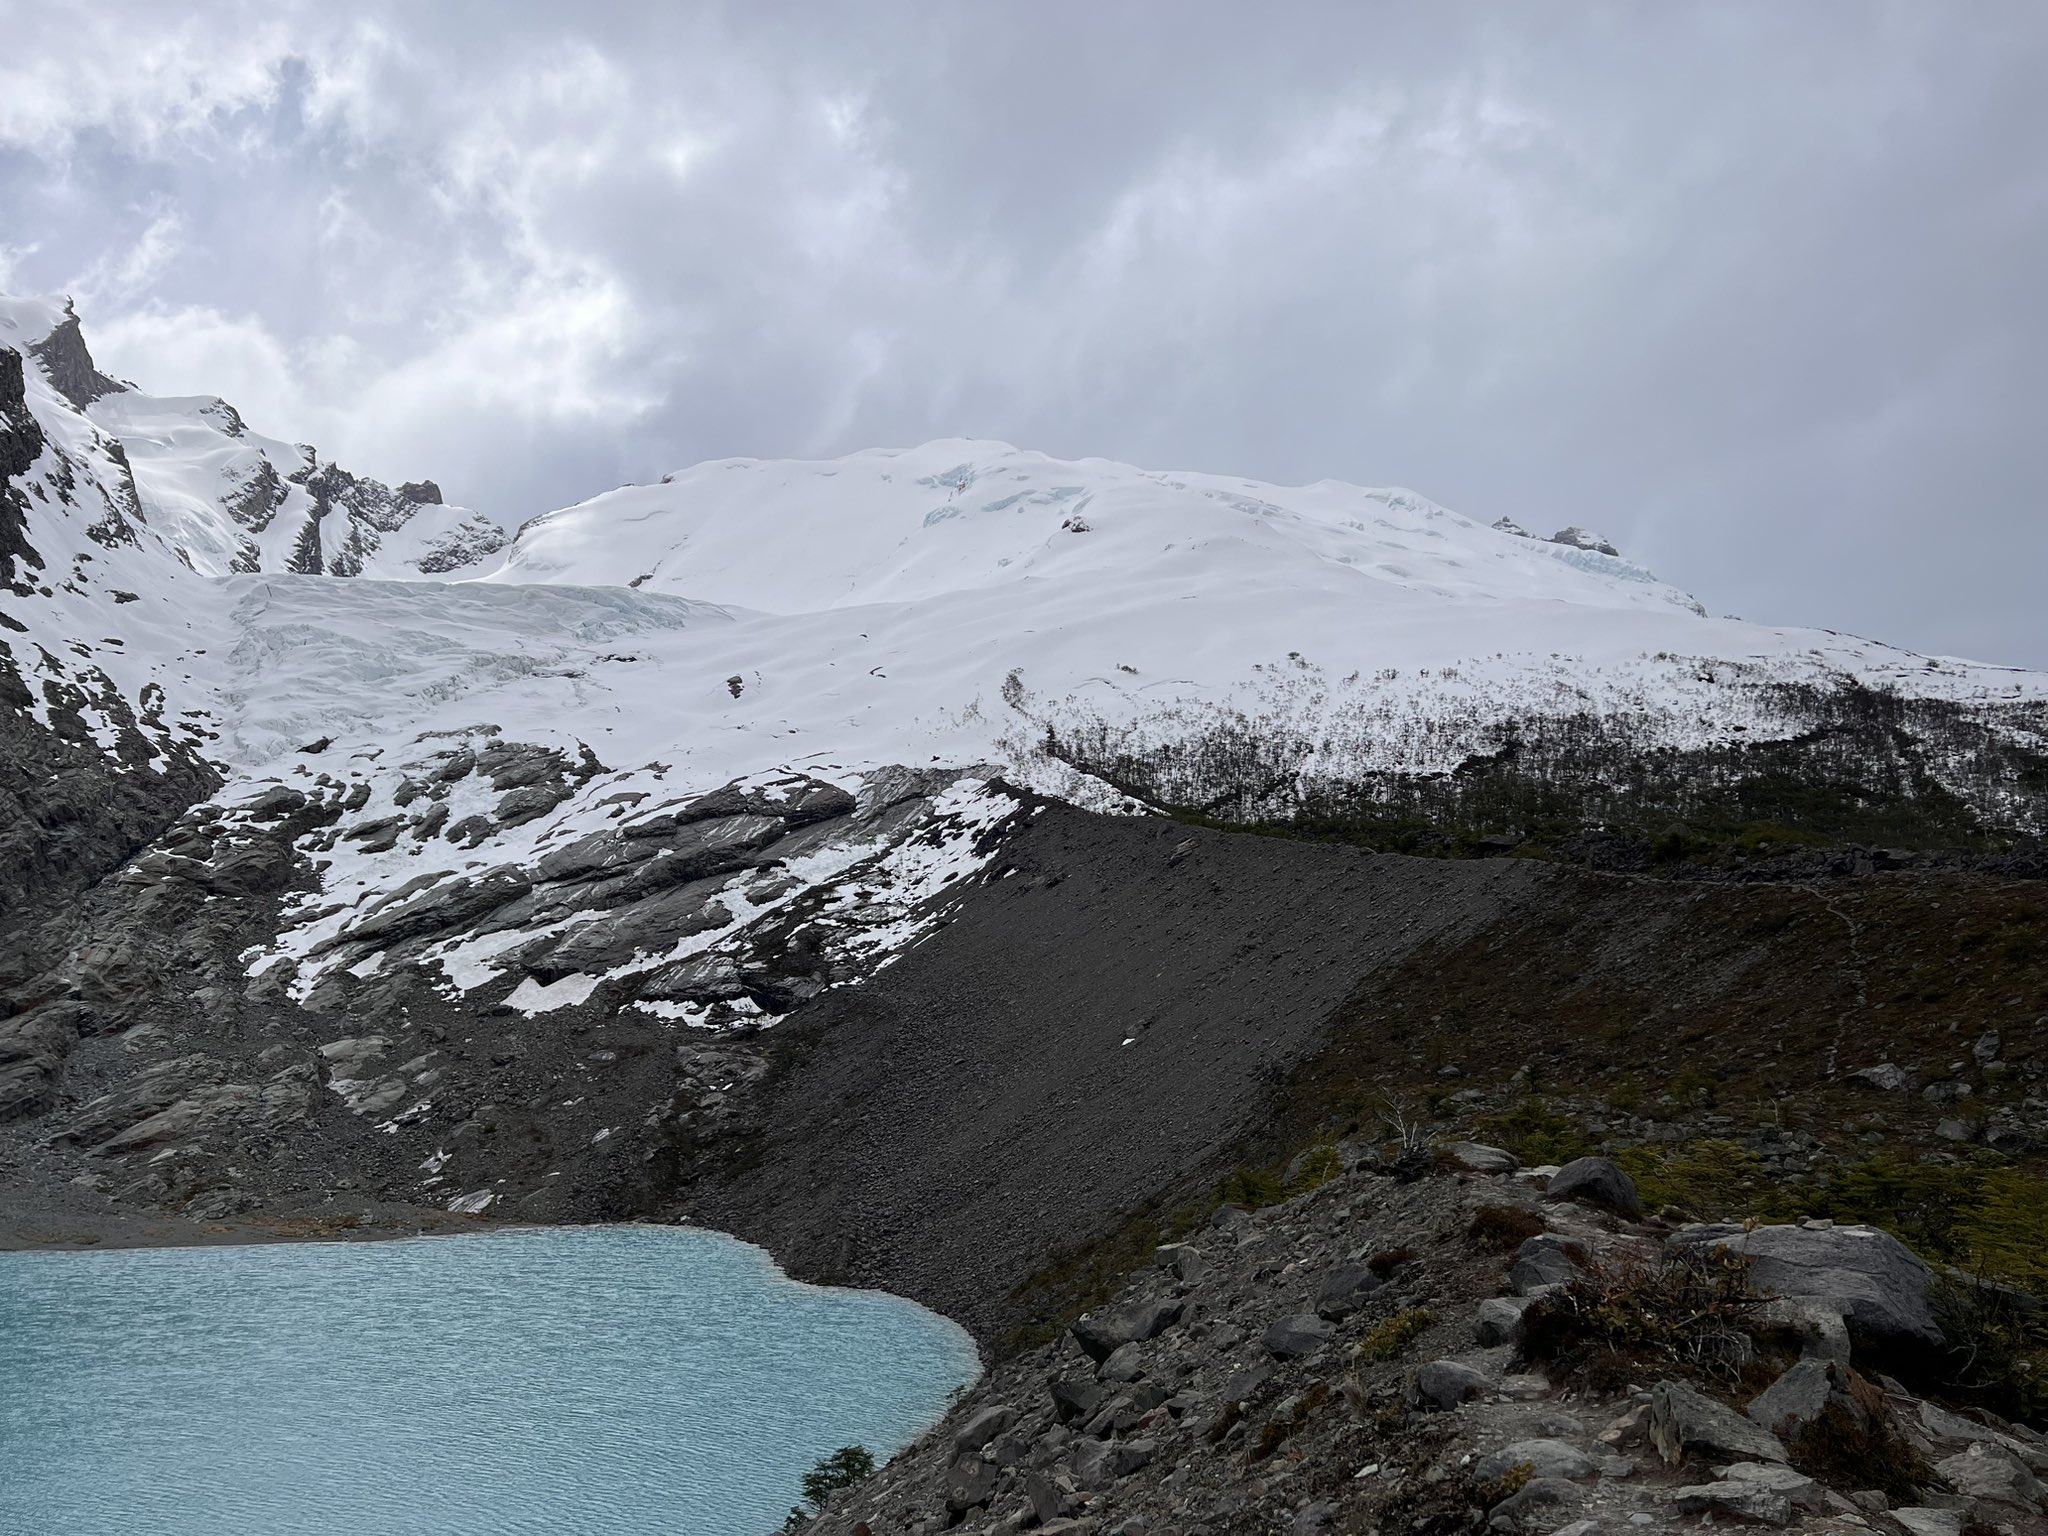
{"points": [[1450, 1343]]}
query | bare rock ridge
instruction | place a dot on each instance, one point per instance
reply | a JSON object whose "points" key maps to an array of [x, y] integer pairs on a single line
{"points": [[66, 359]]}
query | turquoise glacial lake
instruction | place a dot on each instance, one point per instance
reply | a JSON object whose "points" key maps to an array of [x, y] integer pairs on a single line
{"points": [[613, 1379]]}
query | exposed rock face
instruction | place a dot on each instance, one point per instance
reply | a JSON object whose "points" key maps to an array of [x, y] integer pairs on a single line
{"points": [[69, 365]]}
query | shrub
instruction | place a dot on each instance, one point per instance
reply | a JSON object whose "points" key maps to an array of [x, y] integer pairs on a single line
{"points": [[1997, 1354], [1387, 1260], [1507, 1485], [1276, 1431], [1537, 1134], [846, 1467], [1396, 1334], [1706, 1178], [1687, 1311], [1853, 1443], [1503, 1228]]}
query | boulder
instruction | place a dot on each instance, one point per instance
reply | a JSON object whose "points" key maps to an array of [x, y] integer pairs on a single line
{"points": [[1243, 1386], [1883, 1078], [1125, 1363], [1818, 1327], [1297, 1336], [969, 1482], [1546, 1260], [1475, 1157], [1685, 1422], [1099, 1463], [1313, 1519], [1545, 1458], [1074, 1399], [1738, 1501], [1536, 1505], [1344, 1290], [1499, 1320], [1596, 1181], [528, 803], [1796, 1398], [1877, 1284], [983, 1427], [1443, 1384], [1102, 1333], [1919, 1520], [1801, 1491], [1183, 1261], [1985, 1471]]}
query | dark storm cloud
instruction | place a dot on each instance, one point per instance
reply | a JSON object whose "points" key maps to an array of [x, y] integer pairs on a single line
{"points": [[1753, 288]]}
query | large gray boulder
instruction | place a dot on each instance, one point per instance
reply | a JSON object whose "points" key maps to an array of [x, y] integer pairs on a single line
{"points": [[1443, 1384], [1873, 1280], [1099, 1463], [1499, 1320], [1344, 1289], [1798, 1397], [1476, 1157], [969, 1482], [1546, 1260], [983, 1427], [1076, 1399], [1102, 1333], [1297, 1336], [1596, 1181], [1685, 1422], [1985, 1471]]}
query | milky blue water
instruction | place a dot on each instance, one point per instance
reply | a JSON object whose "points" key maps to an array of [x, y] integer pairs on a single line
{"points": [[618, 1379]]}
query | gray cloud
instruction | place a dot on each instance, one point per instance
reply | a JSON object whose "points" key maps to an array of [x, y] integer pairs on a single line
{"points": [[1753, 288]]}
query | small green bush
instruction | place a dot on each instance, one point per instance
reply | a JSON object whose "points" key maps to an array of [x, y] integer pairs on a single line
{"points": [[1396, 1334]]}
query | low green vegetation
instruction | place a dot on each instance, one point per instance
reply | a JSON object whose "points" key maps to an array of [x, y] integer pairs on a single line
{"points": [[1537, 1133], [1390, 1338], [1706, 1179]]}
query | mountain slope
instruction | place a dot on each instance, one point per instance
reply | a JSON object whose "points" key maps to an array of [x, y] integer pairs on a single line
{"points": [[496, 888]]}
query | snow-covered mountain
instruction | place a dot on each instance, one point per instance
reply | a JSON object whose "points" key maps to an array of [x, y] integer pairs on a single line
{"points": [[1119, 637], [339, 878], [188, 474]]}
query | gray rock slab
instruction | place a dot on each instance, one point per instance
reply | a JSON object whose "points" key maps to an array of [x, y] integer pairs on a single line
{"points": [[1873, 1280], [1546, 1458], [1298, 1335], [1686, 1422]]}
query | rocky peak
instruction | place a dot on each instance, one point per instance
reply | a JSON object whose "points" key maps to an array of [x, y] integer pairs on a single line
{"points": [[422, 493], [1576, 537], [69, 364]]}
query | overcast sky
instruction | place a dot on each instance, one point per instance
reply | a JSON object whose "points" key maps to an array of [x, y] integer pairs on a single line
{"points": [[1758, 290]]}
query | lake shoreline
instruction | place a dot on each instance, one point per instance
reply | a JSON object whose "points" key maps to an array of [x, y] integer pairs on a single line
{"points": [[30, 1226]]}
